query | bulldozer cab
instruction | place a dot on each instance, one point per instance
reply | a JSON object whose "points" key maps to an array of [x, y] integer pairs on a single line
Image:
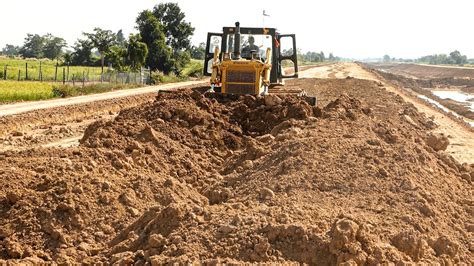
{"points": [[254, 43]]}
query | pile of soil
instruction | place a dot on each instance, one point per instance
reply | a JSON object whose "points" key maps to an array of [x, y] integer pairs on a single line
{"points": [[193, 177]]}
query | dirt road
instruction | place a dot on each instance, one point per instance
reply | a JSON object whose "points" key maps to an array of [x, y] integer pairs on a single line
{"points": [[17, 108], [461, 138]]}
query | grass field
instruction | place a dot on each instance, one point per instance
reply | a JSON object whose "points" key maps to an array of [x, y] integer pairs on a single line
{"points": [[48, 68], [13, 91]]}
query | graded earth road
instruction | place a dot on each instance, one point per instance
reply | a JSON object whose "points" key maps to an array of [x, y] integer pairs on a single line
{"points": [[461, 137], [18, 108]]}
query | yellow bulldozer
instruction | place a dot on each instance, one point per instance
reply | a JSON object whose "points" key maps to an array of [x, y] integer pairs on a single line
{"points": [[237, 65]]}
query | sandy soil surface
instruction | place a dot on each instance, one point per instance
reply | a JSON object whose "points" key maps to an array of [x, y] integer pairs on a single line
{"points": [[461, 137], [428, 71], [183, 177], [62, 123]]}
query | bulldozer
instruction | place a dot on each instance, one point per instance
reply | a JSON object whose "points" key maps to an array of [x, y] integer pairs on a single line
{"points": [[237, 65]]}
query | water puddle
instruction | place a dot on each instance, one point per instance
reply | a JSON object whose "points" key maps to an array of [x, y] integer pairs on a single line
{"points": [[442, 107], [457, 96]]}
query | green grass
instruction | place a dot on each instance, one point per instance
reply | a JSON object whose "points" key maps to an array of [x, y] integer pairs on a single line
{"points": [[48, 68], [13, 91], [194, 69], [70, 91]]}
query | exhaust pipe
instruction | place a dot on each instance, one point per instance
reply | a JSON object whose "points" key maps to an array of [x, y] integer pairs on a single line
{"points": [[237, 41]]}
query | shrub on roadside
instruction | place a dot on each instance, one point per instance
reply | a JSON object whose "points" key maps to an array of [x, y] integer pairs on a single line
{"points": [[193, 69], [158, 77], [68, 90]]}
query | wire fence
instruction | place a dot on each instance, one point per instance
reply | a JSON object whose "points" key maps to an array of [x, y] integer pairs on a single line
{"points": [[73, 75]]}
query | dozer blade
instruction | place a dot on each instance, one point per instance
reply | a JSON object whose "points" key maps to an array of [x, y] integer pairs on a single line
{"points": [[297, 92]]}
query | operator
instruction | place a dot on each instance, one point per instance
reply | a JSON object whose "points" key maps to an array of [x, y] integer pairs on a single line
{"points": [[247, 50]]}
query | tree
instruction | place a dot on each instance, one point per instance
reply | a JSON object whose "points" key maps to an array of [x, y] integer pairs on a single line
{"points": [[457, 57], [137, 51], [454, 57], [386, 58], [67, 57], [11, 50], [53, 46], [182, 58], [120, 39], [151, 32], [116, 56], [82, 54], [198, 52], [102, 40], [177, 31], [33, 46], [331, 57], [321, 55]]}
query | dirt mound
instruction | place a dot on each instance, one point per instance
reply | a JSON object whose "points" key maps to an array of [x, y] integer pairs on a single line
{"points": [[205, 178], [438, 142]]}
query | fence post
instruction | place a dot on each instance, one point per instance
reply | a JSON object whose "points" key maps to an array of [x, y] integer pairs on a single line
{"points": [[39, 74], [64, 76], [26, 72], [67, 72], [73, 83], [5, 72], [19, 74], [83, 78], [56, 73], [141, 75]]}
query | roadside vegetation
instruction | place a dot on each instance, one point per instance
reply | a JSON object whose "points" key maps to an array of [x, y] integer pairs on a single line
{"points": [[15, 68], [453, 58], [14, 91], [11, 91], [160, 52]]}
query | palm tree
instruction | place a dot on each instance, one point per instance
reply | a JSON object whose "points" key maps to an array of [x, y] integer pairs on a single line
{"points": [[102, 40]]}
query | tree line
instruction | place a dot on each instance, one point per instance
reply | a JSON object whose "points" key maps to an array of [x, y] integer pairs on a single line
{"points": [[311, 56], [317, 57], [163, 43], [454, 58]]}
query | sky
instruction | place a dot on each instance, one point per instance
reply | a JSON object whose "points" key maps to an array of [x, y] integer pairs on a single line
{"points": [[356, 29]]}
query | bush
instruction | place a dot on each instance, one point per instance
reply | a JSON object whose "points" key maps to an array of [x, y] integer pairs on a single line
{"points": [[68, 90], [193, 69], [158, 77]]}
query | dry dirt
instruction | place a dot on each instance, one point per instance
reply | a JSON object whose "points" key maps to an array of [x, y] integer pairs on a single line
{"points": [[461, 136], [428, 71], [62, 123], [193, 178]]}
